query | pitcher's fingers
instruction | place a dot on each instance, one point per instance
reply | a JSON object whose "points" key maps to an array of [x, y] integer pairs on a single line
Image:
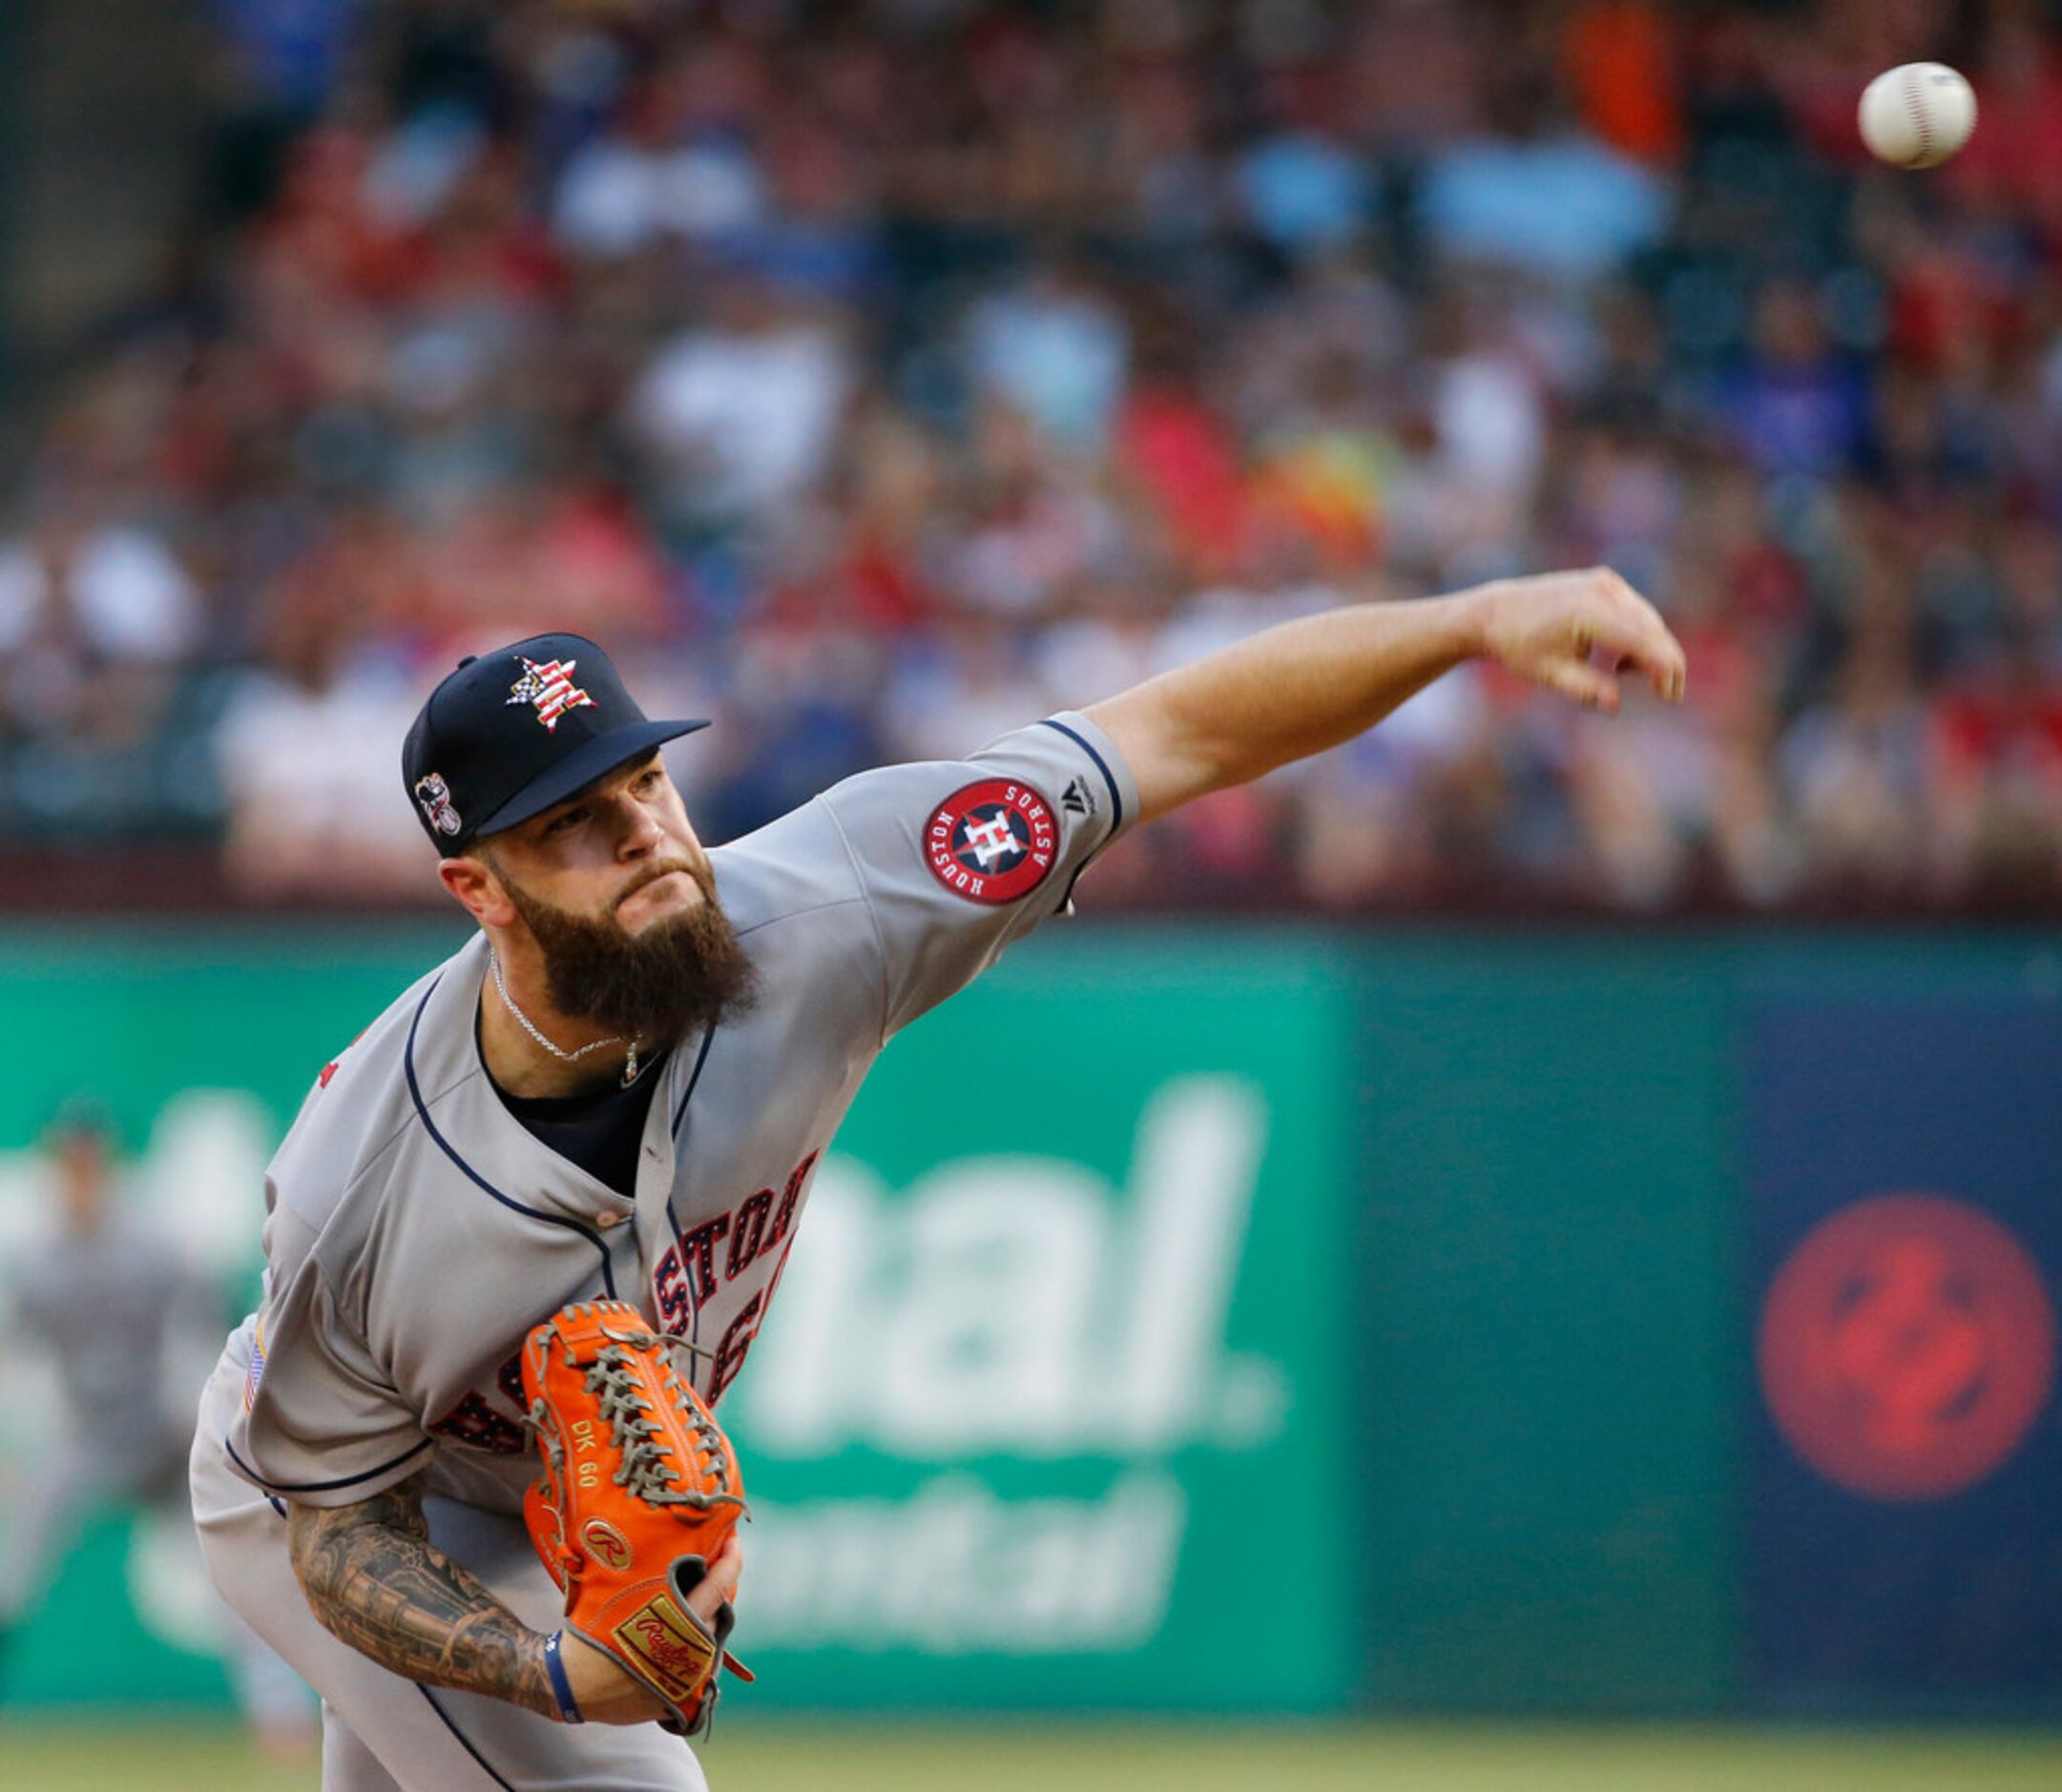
{"points": [[726, 1569], [1637, 635], [1591, 687], [1663, 659]]}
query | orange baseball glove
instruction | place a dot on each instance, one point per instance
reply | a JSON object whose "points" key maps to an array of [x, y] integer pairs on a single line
{"points": [[640, 1493]]}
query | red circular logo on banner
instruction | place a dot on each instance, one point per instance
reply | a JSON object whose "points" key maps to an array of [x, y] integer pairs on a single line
{"points": [[1907, 1347], [992, 841]]}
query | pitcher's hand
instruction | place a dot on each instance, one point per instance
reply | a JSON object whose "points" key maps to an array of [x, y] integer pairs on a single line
{"points": [[608, 1693], [1574, 632]]}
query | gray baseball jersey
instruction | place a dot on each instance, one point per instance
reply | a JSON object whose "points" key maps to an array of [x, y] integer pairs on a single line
{"points": [[417, 1231]]}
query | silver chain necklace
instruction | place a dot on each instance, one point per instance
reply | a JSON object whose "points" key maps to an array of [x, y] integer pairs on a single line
{"points": [[558, 1052]]}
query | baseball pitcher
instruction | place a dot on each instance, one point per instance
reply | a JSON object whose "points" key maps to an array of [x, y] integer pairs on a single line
{"points": [[619, 1090]]}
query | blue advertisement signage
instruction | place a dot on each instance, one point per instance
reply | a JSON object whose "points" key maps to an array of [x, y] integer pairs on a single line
{"points": [[1904, 1253]]}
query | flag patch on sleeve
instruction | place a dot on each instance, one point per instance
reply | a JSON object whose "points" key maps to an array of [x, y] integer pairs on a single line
{"points": [[256, 1373]]}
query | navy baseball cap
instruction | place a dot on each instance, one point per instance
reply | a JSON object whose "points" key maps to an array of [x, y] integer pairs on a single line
{"points": [[511, 733]]}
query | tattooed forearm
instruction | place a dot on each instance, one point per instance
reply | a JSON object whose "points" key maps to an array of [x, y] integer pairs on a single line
{"points": [[374, 1578]]}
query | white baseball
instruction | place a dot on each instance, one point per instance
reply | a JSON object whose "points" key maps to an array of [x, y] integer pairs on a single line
{"points": [[1918, 114]]}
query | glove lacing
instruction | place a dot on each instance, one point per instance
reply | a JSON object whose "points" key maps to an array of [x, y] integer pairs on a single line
{"points": [[647, 1472]]}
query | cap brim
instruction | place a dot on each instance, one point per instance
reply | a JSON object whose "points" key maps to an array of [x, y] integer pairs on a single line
{"points": [[578, 769]]}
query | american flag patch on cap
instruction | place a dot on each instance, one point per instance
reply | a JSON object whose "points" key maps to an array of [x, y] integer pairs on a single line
{"points": [[550, 688]]}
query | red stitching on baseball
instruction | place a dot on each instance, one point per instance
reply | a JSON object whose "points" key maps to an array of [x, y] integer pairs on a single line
{"points": [[1918, 120]]}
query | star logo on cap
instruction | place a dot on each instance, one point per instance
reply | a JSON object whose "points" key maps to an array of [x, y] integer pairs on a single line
{"points": [[550, 688]]}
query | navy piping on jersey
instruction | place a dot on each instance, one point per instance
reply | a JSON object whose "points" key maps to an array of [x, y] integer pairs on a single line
{"points": [[701, 1057], [1117, 802], [1116, 812], [324, 1486], [429, 1126], [464, 1742], [673, 1220]]}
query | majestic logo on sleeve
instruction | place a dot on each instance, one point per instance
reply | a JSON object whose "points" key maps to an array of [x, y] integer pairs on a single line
{"points": [[436, 797], [550, 687], [992, 841]]}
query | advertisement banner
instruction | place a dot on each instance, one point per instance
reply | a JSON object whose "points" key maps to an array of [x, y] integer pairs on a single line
{"points": [[1051, 1398], [1545, 1325], [1054, 1368], [1904, 1253], [1657, 1324]]}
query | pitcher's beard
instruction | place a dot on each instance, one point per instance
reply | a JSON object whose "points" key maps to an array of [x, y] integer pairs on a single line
{"points": [[681, 976]]}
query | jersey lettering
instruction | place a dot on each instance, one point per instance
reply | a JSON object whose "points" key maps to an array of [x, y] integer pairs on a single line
{"points": [[697, 1251], [685, 1276], [729, 1354], [475, 1423], [474, 1419], [789, 1196], [747, 1234], [676, 1312]]}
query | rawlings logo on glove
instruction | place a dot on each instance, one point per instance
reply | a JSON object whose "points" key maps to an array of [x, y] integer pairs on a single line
{"points": [[640, 1493]]}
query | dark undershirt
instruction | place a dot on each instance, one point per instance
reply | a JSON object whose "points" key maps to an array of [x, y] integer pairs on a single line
{"points": [[599, 1129]]}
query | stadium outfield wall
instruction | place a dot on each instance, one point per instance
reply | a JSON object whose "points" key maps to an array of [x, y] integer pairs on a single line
{"points": [[1281, 1319]]}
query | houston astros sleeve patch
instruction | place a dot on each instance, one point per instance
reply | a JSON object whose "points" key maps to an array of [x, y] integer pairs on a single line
{"points": [[992, 841]]}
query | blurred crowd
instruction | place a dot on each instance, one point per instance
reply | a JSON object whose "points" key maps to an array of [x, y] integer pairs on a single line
{"points": [[877, 376]]}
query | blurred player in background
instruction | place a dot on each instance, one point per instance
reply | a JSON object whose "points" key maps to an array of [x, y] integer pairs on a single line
{"points": [[96, 1300], [101, 1297]]}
